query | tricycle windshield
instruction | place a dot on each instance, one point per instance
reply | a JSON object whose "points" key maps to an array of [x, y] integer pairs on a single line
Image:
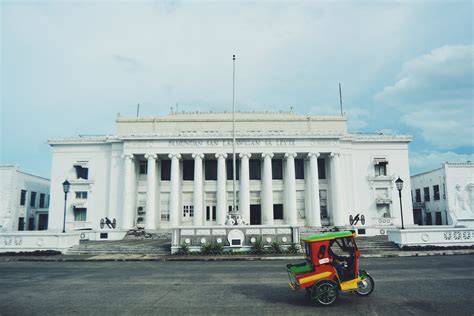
{"points": [[342, 246]]}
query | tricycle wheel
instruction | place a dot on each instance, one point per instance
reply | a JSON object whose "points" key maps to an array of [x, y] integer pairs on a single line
{"points": [[324, 292], [366, 286]]}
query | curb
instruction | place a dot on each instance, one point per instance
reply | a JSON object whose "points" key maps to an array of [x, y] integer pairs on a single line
{"points": [[164, 258]]}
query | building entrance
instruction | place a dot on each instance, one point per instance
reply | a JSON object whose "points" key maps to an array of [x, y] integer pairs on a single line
{"points": [[255, 214]]}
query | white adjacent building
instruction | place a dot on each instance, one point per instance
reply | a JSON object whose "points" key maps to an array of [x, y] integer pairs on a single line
{"points": [[444, 196], [24, 200], [177, 170]]}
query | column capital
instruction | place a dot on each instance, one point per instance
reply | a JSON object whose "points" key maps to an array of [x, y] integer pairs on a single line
{"points": [[313, 155], [219, 156], [245, 155], [198, 156], [174, 156], [335, 154], [127, 156], [290, 155], [267, 155], [151, 156]]}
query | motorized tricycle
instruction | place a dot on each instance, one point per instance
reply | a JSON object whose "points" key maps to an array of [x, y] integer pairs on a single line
{"points": [[332, 265]]}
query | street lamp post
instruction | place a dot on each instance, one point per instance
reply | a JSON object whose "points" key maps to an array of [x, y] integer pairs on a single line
{"points": [[66, 186], [399, 184]]}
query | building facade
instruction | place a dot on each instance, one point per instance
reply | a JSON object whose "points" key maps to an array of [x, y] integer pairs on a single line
{"points": [[445, 195], [177, 170], [24, 200]]}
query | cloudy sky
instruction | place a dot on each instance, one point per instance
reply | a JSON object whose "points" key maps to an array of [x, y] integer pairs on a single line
{"points": [[68, 68]]}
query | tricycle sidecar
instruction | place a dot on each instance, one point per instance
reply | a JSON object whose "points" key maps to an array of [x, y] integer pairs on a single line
{"points": [[332, 265]]}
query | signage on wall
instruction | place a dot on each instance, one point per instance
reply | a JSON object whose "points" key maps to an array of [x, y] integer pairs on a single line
{"points": [[224, 143]]}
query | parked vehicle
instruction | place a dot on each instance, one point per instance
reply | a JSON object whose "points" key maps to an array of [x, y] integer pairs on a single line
{"points": [[332, 265]]}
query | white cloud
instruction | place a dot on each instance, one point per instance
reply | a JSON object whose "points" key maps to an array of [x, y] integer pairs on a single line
{"points": [[429, 160], [434, 93]]}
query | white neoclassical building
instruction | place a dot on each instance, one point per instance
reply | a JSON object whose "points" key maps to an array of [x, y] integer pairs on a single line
{"points": [[24, 200], [444, 196], [177, 170]]}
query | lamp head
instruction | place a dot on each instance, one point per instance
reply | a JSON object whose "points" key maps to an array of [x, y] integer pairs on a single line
{"points": [[66, 186], [399, 184]]}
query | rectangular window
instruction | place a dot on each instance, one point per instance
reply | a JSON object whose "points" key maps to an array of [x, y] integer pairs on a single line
{"points": [[323, 203], [188, 170], [277, 169], [230, 168], [143, 166], [426, 193], [436, 192], [381, 169], [210, 169], [21, 223], [188, 211], [23, 197], [418, 196], [438, 218], [299, 168], [165, 170], [33, 199], [210, 211], [80, 214], [82, 172], [277, 211], [42, 196], [255, 169], [321, 168], [81, 194], [31, 223]]}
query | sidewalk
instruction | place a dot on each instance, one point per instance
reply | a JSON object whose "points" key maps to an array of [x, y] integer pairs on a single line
{"points": [[269, 257]]}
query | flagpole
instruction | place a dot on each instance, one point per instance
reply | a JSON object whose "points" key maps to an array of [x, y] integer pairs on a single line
{"points": [[233, 135]]}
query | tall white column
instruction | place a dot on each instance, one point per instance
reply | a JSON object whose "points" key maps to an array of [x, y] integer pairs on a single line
{"points": [[290, 181], [267, 189], [221, 189], [244, 192], [337, 208], [174, 195], [127, 212], [151, 192], [315, 211], [198, 189]]}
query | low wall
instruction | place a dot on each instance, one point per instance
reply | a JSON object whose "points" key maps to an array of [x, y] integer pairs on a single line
{"points": [[441, 236], [115, 234], [235, 238], [29, 241]]}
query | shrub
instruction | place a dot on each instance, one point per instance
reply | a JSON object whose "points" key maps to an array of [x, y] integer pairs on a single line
{"points": [[217, 249], [293, 248], [276, 247], [258, 247], [206, 249], [183, 249]]}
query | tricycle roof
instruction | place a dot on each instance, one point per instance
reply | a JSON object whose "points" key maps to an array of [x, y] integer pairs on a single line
{"points": [[329, 236]]}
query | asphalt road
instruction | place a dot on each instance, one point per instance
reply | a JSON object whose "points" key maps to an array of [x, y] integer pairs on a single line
{"points": [[403, 286]]}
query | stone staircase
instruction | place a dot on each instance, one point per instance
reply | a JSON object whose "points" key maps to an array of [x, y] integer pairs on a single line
{"points": [[135, 242], [375, 244]]}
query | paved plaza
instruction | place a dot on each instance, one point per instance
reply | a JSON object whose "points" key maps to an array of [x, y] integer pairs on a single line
{"points": [[412, 286]]}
